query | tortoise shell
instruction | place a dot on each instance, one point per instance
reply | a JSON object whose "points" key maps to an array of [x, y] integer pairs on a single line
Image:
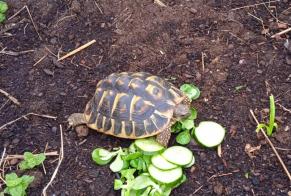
{"points": [[132, 105]]}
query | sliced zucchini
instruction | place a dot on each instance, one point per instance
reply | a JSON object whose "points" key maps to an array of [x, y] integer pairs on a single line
{"points": [[209, 134], [148, 146], [178, 155], [165, 176], [190, 164], [160, 162]]}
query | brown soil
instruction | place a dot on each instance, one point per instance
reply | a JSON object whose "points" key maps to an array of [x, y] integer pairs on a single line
{"points": [[167, 41]]}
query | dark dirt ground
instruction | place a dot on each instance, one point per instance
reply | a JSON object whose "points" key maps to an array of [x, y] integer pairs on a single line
{"points": [[167, 41]]}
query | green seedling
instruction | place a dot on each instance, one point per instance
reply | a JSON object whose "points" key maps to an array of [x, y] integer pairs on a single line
{"points": [[31, 160], [3, 9], [272, 124], [16, 186], [238, 88]]}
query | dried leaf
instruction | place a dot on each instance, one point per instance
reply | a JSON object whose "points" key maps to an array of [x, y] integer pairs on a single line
{"points": [[251, 151]]}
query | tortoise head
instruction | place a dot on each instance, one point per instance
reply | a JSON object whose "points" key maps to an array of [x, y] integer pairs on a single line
{"points": [[181, 111], [76, 119]]}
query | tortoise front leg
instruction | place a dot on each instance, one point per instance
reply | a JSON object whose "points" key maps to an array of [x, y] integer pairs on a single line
{"points": [[164, 137]]}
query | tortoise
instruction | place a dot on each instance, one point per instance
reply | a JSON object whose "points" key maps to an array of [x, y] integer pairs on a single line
{"points": [[134, 105]]}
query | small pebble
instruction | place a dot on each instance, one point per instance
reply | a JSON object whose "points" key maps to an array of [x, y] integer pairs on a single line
{"points": [[202, 156], [82, 130], [246, 188], [288, 59], [242, 61], [48, 72], [15, 141], [218, 188], [259, 71], [255, 181], [54, 129], [53, 40], [13, 161], [230, 46], [193, 10]]}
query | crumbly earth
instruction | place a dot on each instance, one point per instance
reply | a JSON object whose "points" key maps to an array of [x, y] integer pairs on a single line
{"points": [[228, 53]]}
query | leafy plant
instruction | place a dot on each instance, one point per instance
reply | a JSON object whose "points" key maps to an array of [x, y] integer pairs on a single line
{"points": [[16, 186], [102, 156], [272, 124], [191, 91], [185, 127], [3, 9], [132, 164], [31, 160]]}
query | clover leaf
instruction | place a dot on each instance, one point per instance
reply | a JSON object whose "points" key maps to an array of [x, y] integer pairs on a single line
{"points": [[31, 160]]}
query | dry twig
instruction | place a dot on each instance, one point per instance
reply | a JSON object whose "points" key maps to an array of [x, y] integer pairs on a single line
{"points": [[254, 5], [2, 157], [2, 106], [284, 108], [202, 61], [160, 3], [13, 99], [272, 146], [281, 33], [12, 53], [99, 8], [37, 62], [19, 156], [25, 116], [61, 156], [197, 190], [220, 175], [77, 50], [25, 7]]}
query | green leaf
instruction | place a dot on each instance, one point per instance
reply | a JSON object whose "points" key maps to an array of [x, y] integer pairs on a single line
{"points": [[237, 88], [2, 17], [147, 191], [3, 7], [132, 148], [177, 127], [31, 160], [184, 137], [187, 124], [12, 179], [191, 91], [26, 180], [261, 126], [127, 174], [142, 182], [272, 116], [102, 160], [134, 163], [117, 184], [193, 115], [181, 181], [16, 186], [16, 191], [117, 164], [132, 156], [103, 152]]}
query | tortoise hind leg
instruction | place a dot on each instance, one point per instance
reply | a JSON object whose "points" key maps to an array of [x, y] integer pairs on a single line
{"points": [[164, 137]]}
